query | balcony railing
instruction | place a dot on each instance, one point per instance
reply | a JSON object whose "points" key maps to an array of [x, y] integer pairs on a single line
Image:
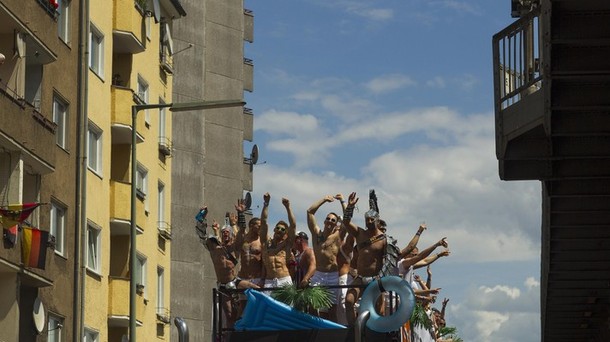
{"points": [[165, 229], [165, 146], [517, 60]]}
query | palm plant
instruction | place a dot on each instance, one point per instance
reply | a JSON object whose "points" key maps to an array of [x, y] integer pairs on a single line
{"points": [[420, 317], [309, 299], [449, 333]]}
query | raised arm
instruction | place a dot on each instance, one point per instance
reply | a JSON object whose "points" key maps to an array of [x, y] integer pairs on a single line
{"points": [[413, 243], [239, 222], [264, 214], [348, 213], [202, 226], [292, 222], [423, 254], [430, 259], [311, 214]]}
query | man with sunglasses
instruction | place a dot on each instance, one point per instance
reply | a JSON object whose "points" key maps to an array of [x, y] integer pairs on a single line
{"points": [[326, 245], [278, 248]]}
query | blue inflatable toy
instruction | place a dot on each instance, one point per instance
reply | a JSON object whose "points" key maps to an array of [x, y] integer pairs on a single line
{"points": [[406, 303]]}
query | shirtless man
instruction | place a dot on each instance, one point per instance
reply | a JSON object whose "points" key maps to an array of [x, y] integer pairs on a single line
{"points": [[277, 249], [371, 244], [326, 244], [224, 261], [304, 259], [248, 246]]}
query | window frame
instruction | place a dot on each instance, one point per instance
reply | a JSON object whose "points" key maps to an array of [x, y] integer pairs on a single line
{"points": [[160, 291], [95, 165], [143, 91], [92, 228], [93, 333], [140, 272], [55, 330], [57, 226], [96, 51], [63, 20], [141, 181], [60, 118]]}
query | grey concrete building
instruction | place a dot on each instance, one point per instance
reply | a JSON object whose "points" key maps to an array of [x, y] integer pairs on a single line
{"points": [[552, 106], [208, 145]]}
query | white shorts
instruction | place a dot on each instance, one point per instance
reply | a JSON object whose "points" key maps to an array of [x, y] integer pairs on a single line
{"points": [[278, 282], [341, 319], [326, 278]]}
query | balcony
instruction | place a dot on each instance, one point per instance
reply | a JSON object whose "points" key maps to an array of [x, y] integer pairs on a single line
{"points": [[128, 28], [120, 207], [248, 25], [165, 146], [167, 61], [165, 229], [248, 75], [122, 100], [118, 303]]}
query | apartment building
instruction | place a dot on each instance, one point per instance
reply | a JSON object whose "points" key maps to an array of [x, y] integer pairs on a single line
{"points": [[551, 81], [212, 147], [39, 149], [129, 64]]}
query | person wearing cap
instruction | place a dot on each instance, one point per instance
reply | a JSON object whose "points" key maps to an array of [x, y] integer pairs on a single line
{"points": [[372, 244], [225, 262], [326, 244], [277, 249], [305, 260]]}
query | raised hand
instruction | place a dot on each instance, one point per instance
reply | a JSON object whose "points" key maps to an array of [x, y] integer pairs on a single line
{"points": [[352, 199], [266, 197]]}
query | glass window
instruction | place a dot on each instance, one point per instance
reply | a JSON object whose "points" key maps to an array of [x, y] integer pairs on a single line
{"points": [[143, 95], [91, 336], [60, 118], [140, 274], [93, 248], [160, 291], [54, 328], [94, 149], [63, 20], [58, 226], [141, 181], [96, 51]]}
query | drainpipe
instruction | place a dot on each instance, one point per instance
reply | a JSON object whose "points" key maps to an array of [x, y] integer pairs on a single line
{"points": [[183, 329], [80, 236]]}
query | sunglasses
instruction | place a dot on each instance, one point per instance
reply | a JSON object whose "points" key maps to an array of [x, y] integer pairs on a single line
{"points": [[280, 229], [333, 220]]}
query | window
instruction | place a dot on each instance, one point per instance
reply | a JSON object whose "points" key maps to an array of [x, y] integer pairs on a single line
{"points": [[141, 181], [63, 20], [58, 226], [96, 51], [54, 328], [161, 204], [91, 336], [160, 291], [162, 118], [93, 248], [140, 274], [94, 149], [143, 95], [60, 118]]}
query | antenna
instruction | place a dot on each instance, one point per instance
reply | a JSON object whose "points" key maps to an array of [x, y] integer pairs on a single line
{"points": [[38, 315], [253, 157]]}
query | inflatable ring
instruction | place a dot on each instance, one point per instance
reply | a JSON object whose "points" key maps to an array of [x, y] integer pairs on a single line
{"points": [[403, 312]]}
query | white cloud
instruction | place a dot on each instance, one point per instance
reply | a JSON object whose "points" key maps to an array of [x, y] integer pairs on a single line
{"points": [[388, 83], [498, 313], [436, 82]]}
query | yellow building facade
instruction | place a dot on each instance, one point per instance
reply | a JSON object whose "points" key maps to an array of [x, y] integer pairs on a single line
{"points": [[129, 64]]}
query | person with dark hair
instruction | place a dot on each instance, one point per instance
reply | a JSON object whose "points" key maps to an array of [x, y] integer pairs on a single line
{"points": [[305, 260], [225, 262], [248, 246], [278, 249], [326, 244]]}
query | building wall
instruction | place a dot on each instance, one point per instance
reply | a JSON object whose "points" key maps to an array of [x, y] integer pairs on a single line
{"points": [[27, 135], [208, 156]]}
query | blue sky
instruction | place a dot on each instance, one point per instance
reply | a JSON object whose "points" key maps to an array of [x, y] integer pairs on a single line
{"points": [[397, 96]]}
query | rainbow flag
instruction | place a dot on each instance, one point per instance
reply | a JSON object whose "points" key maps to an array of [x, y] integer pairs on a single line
{"points": [[16, 213], [34, 247], [10, 235]]}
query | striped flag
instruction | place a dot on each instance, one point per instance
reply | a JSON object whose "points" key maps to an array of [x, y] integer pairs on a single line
{"points": [[10, 235], [16, 213], [34, 247]]}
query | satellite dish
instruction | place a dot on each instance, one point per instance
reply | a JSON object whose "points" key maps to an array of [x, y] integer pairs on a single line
{"points": [[254, 155], [248, 200], [38, 315]]}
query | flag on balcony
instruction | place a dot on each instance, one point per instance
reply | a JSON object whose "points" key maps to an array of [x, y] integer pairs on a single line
{"points": [[34, 247], [16, 213], [10, 235]]}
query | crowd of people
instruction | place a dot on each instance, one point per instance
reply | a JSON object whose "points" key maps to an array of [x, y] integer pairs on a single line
{"points": [[341, 256]]}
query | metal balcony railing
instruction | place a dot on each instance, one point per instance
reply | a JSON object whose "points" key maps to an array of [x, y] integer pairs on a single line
{"points": [[165, 229], [516, 60]]}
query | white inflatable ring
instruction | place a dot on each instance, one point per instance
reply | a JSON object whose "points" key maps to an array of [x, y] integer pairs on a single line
{"points": [[406, 304]]}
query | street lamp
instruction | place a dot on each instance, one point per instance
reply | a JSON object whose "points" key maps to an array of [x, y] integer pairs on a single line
{"points": [[135, 109]]}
